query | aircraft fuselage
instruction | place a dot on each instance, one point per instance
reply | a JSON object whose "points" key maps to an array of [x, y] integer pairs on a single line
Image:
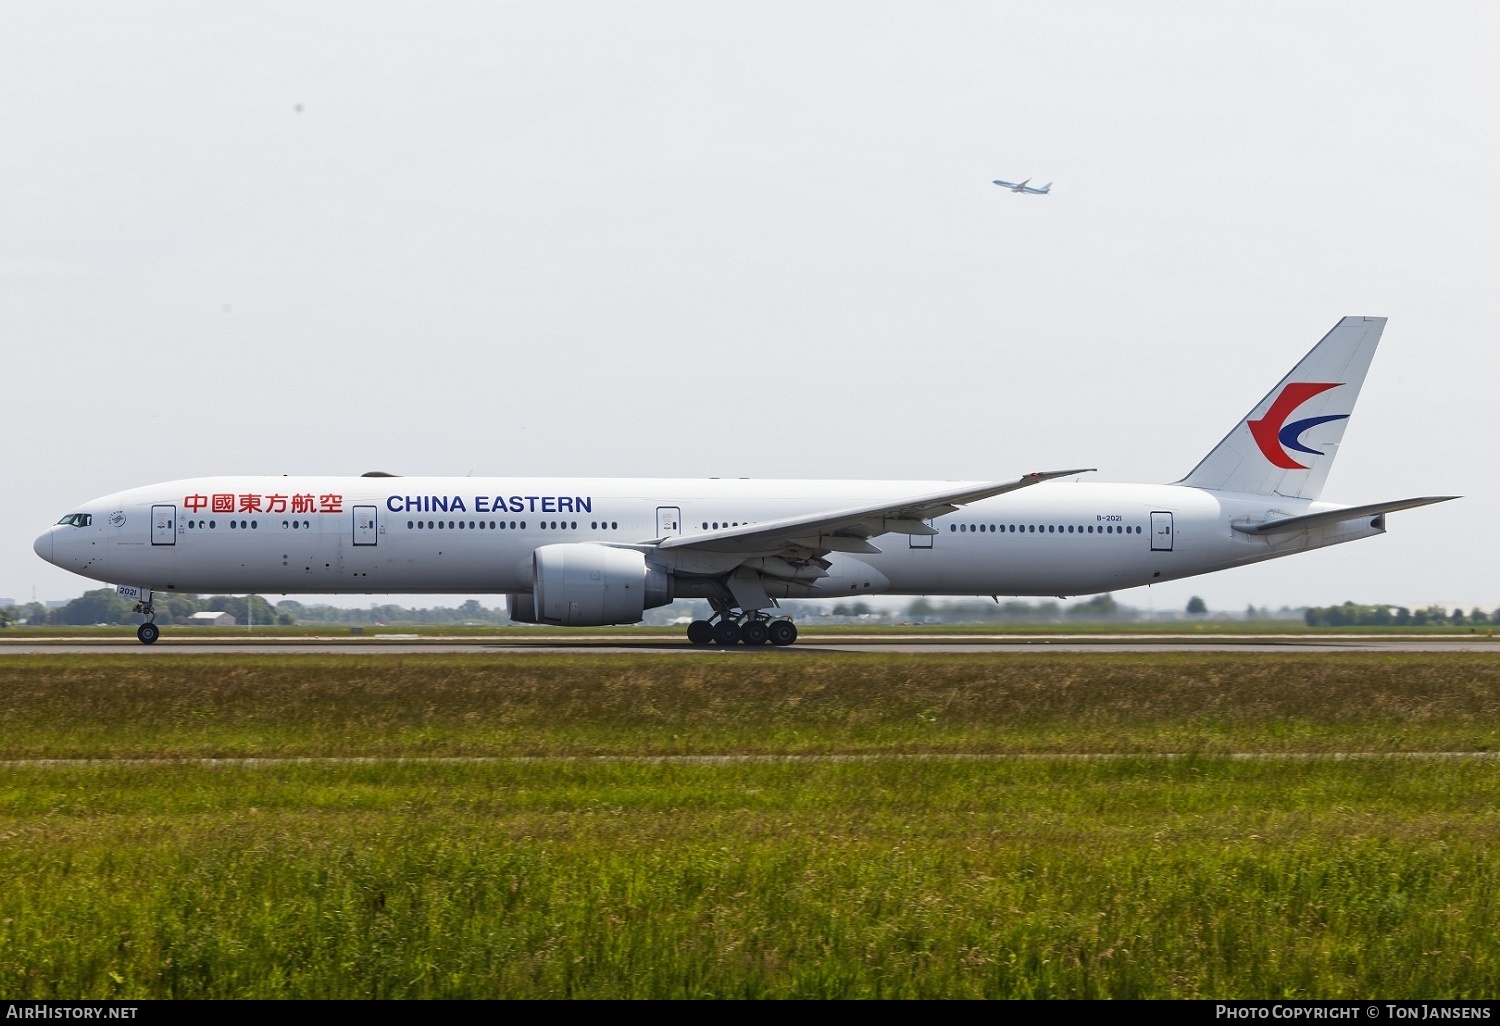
{"points": [[286, 535]]}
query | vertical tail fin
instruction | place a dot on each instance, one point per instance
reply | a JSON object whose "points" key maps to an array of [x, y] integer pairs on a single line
{"points": [[1286, 445]]}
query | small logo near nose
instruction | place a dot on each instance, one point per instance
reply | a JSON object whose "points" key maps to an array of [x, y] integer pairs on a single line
{"points": [[117, 518]]}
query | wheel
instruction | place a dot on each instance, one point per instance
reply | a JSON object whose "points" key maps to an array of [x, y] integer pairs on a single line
{"points": [[701, 632], [148, 633], [727, 632], [755, 632], [783, 632]]}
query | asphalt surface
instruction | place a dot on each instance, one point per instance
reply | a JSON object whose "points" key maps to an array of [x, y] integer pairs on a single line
{"points": [[181, 642]]}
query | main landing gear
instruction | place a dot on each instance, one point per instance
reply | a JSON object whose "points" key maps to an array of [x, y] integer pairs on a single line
{"points": [[730, 628]]}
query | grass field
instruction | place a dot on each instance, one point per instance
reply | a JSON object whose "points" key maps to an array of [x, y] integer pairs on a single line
{"points": [[803, 825]]}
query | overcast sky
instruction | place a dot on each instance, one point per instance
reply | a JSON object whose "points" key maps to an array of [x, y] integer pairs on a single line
{"points": [[759, 239]]}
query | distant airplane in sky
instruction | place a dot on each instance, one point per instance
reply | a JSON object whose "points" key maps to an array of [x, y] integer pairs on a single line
{"points": [[585, 552], [1023, 187]]}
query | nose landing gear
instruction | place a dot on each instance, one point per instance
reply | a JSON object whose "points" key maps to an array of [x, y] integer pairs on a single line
{"points": [[728, 627], [147, 632]]}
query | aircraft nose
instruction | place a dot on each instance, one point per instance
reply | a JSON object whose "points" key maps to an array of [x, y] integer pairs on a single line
{"points": [[43, 545]]}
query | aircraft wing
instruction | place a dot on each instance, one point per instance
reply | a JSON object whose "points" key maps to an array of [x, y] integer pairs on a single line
{"points": [[1334, 516], [848, 530]]}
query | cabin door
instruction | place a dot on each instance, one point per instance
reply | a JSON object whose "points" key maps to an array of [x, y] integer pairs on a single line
{"points": [[163, 525], [920, 541], [366, 527], [1161, 532], [668, 521]]}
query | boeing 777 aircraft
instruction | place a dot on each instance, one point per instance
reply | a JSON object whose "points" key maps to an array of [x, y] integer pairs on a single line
{"points": [[586, 552], [1024, 187]]}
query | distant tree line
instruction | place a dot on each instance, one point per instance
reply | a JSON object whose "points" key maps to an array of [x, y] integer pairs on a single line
{"points": [[1351, 614], [468, 612], [103, 606], [1100, 607]]}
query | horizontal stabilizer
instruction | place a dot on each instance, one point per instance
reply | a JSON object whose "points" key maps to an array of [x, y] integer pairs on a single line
{"points": [[1334, 516]]}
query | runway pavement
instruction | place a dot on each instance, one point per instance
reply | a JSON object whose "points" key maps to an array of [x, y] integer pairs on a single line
{"points": [[181, 642]]}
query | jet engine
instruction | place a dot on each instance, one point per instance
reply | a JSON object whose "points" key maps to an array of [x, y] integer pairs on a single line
{"points": [[586, 585]]}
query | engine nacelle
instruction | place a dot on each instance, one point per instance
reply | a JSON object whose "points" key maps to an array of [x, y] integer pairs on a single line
{"points": [[585, 585]]}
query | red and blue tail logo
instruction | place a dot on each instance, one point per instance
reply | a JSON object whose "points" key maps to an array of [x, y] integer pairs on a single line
{"points": [[1275, 436]]}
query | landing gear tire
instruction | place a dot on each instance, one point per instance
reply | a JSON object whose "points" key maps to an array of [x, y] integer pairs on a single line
{"points": [[701, 632], [782, 632], [755, 632], [727, 632], [148, 633]]}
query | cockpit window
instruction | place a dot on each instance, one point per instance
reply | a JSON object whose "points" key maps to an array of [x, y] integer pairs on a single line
{"points": [[77, 519]]}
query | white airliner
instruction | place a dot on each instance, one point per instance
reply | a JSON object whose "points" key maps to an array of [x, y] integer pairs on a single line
{"points": [[1024, 187], [594, 551]]}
